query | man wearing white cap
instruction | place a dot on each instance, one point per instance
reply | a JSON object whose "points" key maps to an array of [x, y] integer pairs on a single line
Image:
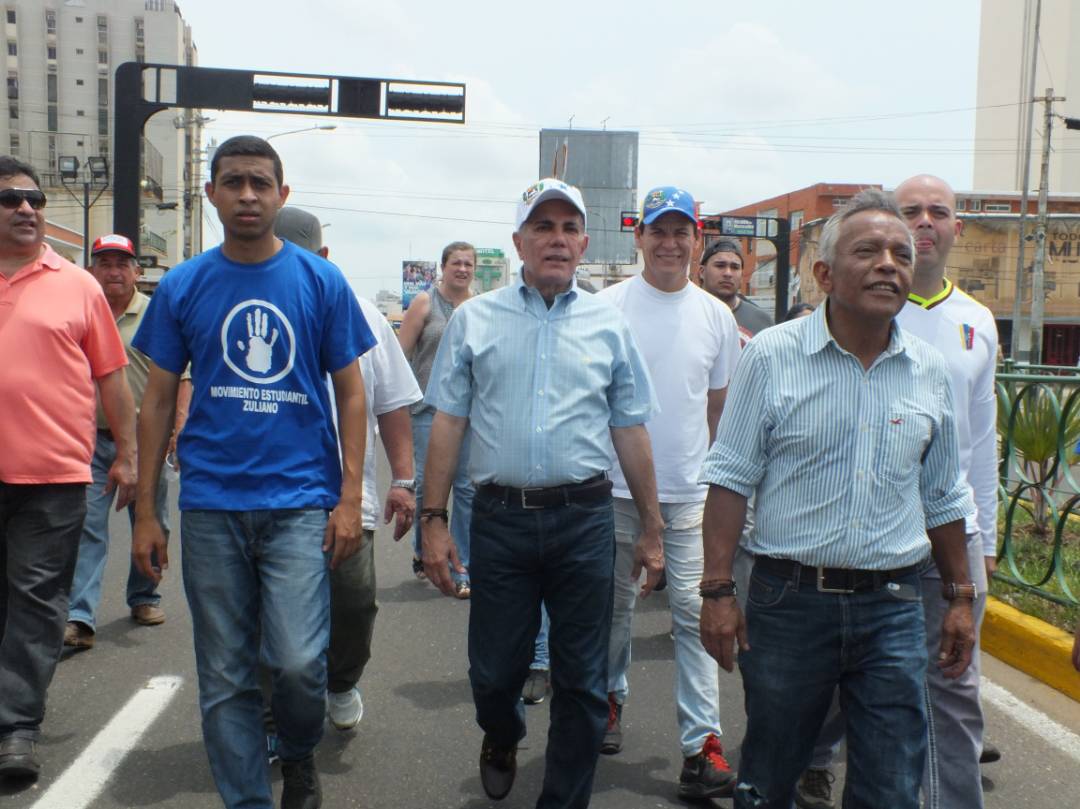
{"points": [[544, 378], [691, 344], [114, 265]]}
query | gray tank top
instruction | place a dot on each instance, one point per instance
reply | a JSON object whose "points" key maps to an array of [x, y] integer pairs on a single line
{"points": [[428, 343]]}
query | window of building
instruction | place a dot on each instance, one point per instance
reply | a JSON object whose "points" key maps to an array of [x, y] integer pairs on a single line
{"points": [[796, 220], [12, 48], [997, 207], [79, 113], [102, 92], [50, 21], [78, 51], [103, 121], [12, 86], [14, 143], [78, 82], [961, 205], [50, 52], [11, 16], [78, 19], [103, 57], [13, 111], [103, 147], [53, 119], [140, 32], [50, 88], [839, 202], [975, 204]]}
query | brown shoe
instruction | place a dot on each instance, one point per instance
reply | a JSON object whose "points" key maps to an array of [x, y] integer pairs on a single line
{"points": [[148, 614], [78, 635]]}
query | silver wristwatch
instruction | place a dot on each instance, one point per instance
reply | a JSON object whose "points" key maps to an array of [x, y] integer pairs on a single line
{"points": [[409, 484]]}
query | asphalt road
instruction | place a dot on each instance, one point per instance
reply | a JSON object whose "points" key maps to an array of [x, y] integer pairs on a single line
{"points": [[417, 745]]}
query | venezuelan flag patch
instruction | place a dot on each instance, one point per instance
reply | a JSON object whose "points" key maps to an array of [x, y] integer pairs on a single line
{"points": [[967, 336]]}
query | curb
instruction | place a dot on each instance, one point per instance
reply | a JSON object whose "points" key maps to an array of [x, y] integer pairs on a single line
{"points": [[1033, 646]]}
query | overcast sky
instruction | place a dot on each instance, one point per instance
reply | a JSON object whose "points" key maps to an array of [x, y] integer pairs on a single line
{"points": [[736, 102]]}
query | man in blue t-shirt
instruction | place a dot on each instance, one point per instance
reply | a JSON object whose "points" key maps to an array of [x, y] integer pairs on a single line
{"points": [[266, 504]]}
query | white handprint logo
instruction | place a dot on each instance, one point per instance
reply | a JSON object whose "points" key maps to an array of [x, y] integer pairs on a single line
{"points": [[255, 338], [260, 353]]}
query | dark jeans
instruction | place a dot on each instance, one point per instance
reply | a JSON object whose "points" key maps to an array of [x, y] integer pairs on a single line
{"points": [[352, 617], [804, 645], [563, 557], [39, 540]]}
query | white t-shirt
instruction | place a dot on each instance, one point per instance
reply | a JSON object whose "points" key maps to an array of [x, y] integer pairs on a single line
{"points": [[690, 342], [965, 333], [388, 384]]}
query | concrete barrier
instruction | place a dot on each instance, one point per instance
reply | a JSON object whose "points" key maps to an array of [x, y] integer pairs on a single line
{"points": [[1031, 645]]}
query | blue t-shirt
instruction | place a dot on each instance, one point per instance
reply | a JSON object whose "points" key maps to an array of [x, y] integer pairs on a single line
{"points": [[260, 339]]}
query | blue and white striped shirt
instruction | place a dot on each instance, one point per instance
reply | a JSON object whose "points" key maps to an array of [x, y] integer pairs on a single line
{"points": [[541, 387], [850, 466]]}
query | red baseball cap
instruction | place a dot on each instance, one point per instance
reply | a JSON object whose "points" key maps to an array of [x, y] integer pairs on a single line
{"points": [[114, 241]]}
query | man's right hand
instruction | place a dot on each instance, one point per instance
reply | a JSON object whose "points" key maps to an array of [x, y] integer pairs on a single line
{"points": [[439, 552], [722, 624], [146, 539]]}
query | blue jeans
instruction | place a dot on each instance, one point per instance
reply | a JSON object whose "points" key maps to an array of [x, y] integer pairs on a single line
{"points": [[697, 687], [562, 557], [245, 572], [39, 534], [94, 542], [804, 645], [541, 657], [463, 492]]}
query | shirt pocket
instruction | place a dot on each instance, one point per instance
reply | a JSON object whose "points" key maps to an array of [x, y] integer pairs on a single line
{"points": [[905, 436]]}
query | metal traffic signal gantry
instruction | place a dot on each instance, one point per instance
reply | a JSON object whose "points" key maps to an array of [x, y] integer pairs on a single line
{"points": [[144, 89]]}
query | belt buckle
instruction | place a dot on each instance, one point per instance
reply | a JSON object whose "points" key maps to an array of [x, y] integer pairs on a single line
{"points": [[821, 584], [524, 497]]}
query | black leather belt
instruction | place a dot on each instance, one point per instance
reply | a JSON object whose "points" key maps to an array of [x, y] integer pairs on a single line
{"points": [[594, 488], [833, 579]]}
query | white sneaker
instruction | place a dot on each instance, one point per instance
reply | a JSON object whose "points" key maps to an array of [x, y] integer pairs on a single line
{"points": [[345, 708]]}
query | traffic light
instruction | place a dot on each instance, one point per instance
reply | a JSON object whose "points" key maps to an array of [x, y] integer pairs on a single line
{"points": [[628, 221]]}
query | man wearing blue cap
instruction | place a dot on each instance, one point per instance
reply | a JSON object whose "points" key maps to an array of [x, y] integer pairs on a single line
{"points": [[691, 344]]}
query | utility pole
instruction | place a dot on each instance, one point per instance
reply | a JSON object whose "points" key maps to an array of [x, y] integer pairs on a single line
{"points": [[1038, 296], [1020, 347]]}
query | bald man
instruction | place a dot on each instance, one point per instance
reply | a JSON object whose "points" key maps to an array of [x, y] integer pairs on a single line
{"points": [[963, 330]]}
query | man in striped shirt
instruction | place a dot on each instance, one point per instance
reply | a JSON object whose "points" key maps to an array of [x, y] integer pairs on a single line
{"points": [[843, 426]]}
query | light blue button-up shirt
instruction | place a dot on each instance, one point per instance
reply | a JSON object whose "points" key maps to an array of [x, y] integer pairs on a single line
{"points": [[850, 466], [541, 387]]}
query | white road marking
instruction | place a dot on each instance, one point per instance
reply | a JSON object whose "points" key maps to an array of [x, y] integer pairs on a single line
{"points": [[1034, 720], [87, 776]]}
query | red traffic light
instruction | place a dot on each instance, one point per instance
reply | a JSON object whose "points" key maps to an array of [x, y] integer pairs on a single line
{"points": [[629, 221]]}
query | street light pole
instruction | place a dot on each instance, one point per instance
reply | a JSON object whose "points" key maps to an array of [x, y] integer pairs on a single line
{"points": [[97, 167], [305, 129]]}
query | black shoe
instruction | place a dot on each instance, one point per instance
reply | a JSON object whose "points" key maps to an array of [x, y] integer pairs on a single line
{"points": [[814, 789], [18, 758], [498, 766], [612, 742], [300, 780], [536, 686], [707, 775], [989, 754]]}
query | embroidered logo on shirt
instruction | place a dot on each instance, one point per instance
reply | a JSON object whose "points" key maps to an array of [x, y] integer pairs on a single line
{"points": [[967, 335], [258, 342], [896, 421]]}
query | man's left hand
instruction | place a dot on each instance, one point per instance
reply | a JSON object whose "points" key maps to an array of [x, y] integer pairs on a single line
{"points": [[991, 565], [957, 638], [344, 531], [121, 477], [649, 554], [402, 503]]}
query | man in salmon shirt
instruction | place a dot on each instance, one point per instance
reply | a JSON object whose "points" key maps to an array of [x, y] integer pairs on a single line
{"points": [[59, 342]]}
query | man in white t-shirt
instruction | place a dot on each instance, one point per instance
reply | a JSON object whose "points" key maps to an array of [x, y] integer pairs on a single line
{"points": [[691, 344], [965, 333], [390, 388]]}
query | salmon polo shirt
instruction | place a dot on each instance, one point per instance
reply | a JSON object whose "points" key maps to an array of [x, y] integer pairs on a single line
{"points": [[57, 335]]}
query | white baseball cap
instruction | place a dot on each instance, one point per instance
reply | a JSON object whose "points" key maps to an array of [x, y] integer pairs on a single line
{"points": [[542, 191]]}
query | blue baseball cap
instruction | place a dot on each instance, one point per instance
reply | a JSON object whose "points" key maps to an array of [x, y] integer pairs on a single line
{"points": [[665, 199]]}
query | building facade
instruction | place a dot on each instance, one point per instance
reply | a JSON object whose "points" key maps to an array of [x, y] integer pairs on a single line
{"points": [[61, 59], [1006, 43]]}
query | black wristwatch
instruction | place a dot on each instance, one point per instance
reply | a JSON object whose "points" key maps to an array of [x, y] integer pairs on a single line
{"points": [[953, 591]]}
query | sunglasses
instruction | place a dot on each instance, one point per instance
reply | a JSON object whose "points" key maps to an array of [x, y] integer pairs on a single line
{"points": [[13, 198]]}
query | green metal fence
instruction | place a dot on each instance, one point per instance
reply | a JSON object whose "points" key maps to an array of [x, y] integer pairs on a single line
{"points": [[1039, 427]]}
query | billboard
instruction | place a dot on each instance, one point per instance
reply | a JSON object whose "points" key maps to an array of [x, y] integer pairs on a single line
{"points": [[490, 269], [604, 166], [416, 277]]}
